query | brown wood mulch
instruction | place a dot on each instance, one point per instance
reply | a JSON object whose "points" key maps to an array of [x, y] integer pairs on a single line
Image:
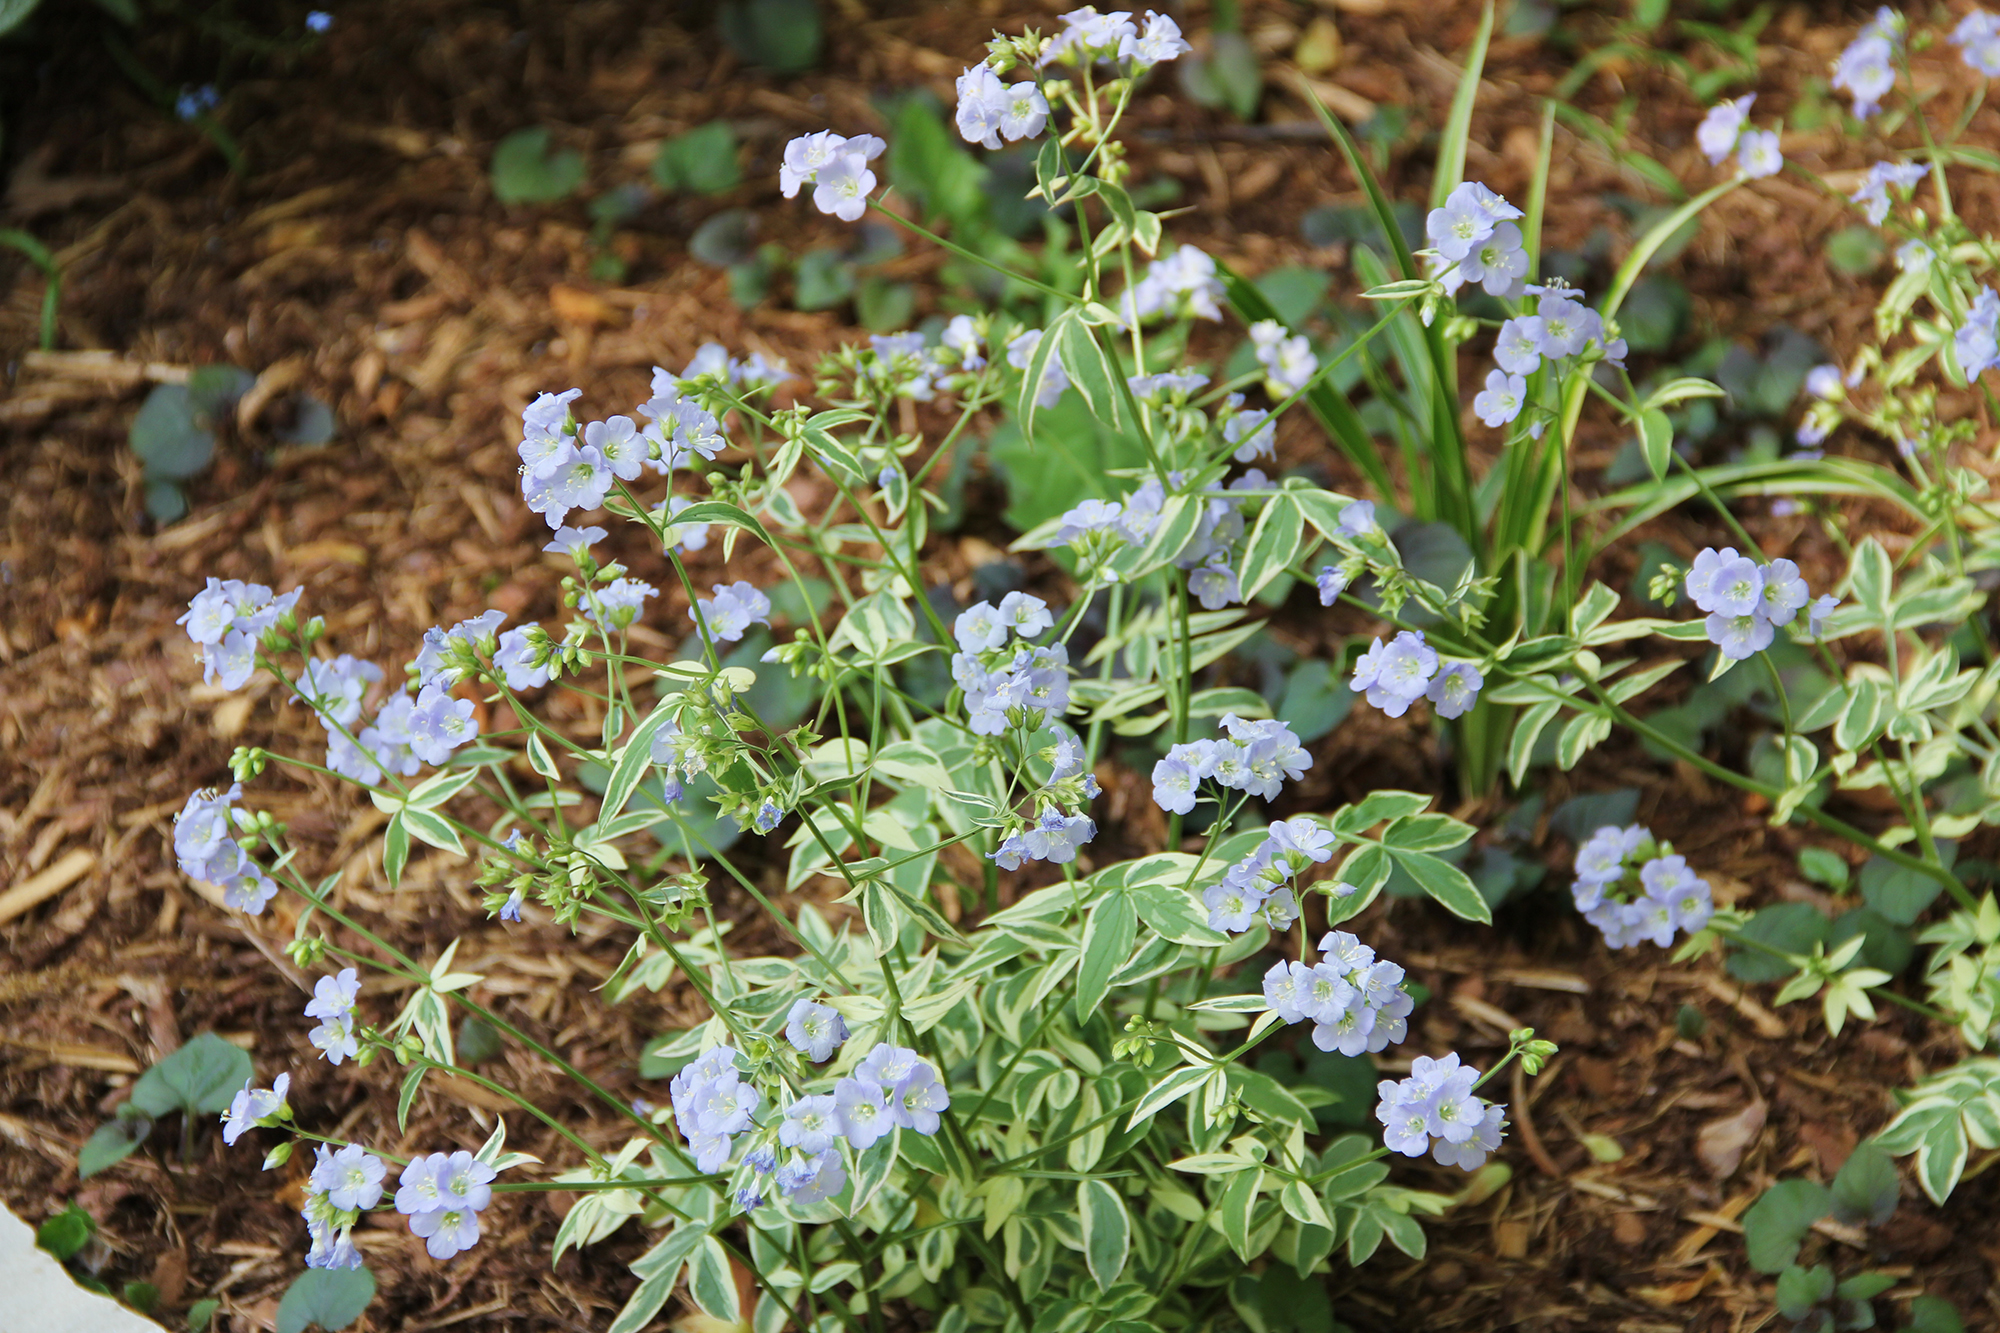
{"points": [[362, 258]]}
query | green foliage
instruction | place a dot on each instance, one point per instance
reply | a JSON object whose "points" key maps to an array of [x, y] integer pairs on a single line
{"points": [[478, 1040], [929, 164], [1856, 251], [703, 160], [197, 1080], [1044, 480], [526, 171], [1776, 1225], [326, 1298], [174, 432], [1865, 1189], [37, 254], [1943, 1117], [113, 1141], [13, 13], [780, 35], [1227, 75], [65, 1234]]}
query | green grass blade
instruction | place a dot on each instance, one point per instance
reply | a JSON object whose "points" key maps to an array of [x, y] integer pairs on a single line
{"points": [[1451, 477], [1458, 125], [1378, 202], [1649, 244], [39, 255], [1538, 192]]}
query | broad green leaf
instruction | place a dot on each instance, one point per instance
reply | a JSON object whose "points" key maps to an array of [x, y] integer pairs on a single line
{"points": [[429, 827], [1426, 833], [711, 1283], [702, 160], [1273, 544], [168, 438], [1527, 730], [14, 12], [1656, 439], [633, 763], [65, 1234], [1107, 943], [198, 1079], [728, 515], [114, 1141], [435, 790], [328, 1298], [1865, 1190], [524, 171], [395, 849], [1166, 1091], [1777, 1223], [1174, 914], [1090, 371], [1107, 1230], [1449, 885], [1941, 1157], [1237, 1208]]}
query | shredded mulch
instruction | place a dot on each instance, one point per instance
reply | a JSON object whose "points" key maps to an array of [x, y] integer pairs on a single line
{"points": [[362, 258]]}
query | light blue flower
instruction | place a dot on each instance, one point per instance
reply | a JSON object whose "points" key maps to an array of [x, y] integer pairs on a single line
{"points": [[1502, 398], [862, 1110], [815, 1029], [1455, 689], [1719, 130]]}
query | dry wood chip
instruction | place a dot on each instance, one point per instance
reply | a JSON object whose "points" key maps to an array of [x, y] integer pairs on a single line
{"points": [[36, 889]]}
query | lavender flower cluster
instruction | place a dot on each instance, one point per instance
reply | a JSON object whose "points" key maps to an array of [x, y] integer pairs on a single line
{"points": [[333, 1004], [1561, 328], [1977, 342], [441, 1194], [1089, 37], [1724, 130], [1355, 1001], [1056, 833], [1873, 194], [1257, 757], [253, 1106], [1633, 888], [1866, 70], [1257, 888], [1475, 240], [226, 620], [836, 166], [1288, 360], [344, 1184], [1746, 601], [1394, 675], [1435, 1110], [205, 846], [1008, 685], [891, 1088], [567, 468], [989, 110], [1978, 36], [1182, 284], [1098, 529]]}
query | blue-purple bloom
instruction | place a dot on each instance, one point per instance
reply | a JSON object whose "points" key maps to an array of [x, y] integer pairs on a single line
{"points": [[814, 1029]]}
